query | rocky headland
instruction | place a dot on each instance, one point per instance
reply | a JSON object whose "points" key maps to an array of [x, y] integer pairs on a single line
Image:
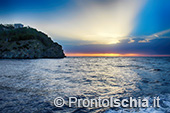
{"points": [[19, 42]]}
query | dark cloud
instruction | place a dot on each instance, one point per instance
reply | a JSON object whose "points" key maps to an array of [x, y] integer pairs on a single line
{"points": [[154, 47]]}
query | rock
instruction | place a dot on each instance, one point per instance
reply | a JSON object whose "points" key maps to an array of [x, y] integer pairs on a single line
{"points": [[26, 43]]}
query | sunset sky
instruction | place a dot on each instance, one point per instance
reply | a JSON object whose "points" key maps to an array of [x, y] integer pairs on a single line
{"points": [[97, 27]]}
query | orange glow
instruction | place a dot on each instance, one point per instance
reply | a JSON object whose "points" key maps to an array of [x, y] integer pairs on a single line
{"points": [[108, 55]]}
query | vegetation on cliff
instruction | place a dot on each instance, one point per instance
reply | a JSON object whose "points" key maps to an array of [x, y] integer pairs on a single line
{"points": [[27, 42]]}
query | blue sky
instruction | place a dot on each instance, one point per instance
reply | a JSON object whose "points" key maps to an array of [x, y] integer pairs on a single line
{"points": [[97, 26]]}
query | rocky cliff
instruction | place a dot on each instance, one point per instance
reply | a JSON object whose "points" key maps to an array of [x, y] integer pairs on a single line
{"points": [[26, 43]]}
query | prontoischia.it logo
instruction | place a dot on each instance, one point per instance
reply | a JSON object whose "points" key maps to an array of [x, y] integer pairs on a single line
{"points": [[110, 102]]}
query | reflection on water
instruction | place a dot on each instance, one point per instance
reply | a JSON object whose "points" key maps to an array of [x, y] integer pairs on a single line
{"points": [[33, 84]]}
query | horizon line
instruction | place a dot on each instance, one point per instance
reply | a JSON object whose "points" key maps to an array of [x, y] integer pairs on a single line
{"points": [[112, 55]]}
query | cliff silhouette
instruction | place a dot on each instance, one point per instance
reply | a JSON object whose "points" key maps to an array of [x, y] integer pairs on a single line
{"points": [[19, 42]]}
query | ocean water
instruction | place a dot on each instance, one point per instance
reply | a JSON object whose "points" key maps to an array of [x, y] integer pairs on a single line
{"points": [[31, 85]]}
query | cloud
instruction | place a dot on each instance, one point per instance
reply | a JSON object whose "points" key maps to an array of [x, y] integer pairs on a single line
{"points": [[144, 41], [155, 47], [131, 40], [155, 36]]}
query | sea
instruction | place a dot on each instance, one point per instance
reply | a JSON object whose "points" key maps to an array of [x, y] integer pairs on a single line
{"points": [[31, 85]]}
